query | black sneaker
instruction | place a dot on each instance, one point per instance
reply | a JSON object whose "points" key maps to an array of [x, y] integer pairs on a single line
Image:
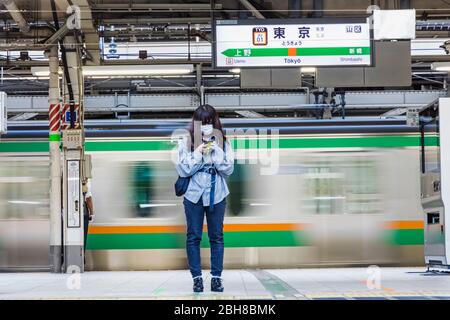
{"points": [[216, 284], [198, 284]]}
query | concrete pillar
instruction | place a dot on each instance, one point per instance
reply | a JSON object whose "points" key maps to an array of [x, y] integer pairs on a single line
{"points": [[55, 162]]}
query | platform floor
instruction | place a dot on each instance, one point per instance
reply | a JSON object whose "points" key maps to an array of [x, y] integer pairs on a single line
{"points": [[324, 283]]}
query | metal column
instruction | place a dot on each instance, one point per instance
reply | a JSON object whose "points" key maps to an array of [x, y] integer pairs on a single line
{"points": [[435, 183], [73, 148], [318, 8], [405, 4], [294, 8]]}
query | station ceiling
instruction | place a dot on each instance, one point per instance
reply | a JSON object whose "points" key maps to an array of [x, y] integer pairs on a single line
{"points": [[148, 22], [41, 9]]}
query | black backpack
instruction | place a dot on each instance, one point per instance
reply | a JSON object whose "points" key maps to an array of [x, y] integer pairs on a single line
{"points": [[181, 185]]}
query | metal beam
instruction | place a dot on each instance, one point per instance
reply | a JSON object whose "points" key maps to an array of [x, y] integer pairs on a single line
{"points": [[44, 63], [249, 114], [233, 108], [22, 64], [381, 100], [36, 33], [252, 9], [174, 7], [23, 116], [57, 36], [395, 112], [158, 61], [139, 21], [16, 15]]}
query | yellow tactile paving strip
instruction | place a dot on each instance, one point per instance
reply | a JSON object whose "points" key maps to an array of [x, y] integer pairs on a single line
{"points": [[310, 296], [361, 295]]}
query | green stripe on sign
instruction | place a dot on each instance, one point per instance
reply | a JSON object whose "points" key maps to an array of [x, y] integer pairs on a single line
{"points": [[404, 237], [284, 52], [178, 240]]}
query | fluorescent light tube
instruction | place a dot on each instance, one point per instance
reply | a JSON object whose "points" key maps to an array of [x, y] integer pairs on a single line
{"points": [[124, 70], [441, 66], [308, 70]]}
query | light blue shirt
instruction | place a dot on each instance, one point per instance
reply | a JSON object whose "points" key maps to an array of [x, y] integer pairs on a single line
{"points": [[189, 162]]}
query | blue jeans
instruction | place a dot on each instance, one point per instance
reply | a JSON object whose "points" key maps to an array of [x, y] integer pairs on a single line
{"points": [[195, 213]]}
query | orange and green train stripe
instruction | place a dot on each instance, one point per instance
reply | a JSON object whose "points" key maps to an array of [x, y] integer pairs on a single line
{"points": [[236, 236], [173, 237], [403, 233]]}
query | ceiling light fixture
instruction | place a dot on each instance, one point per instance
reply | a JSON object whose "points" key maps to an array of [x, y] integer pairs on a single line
{"points": [[124, 70], [308, 70], [440, 66]]}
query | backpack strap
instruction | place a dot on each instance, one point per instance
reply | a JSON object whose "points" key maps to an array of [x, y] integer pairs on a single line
{"points": [[213, 182], [213, 191]]}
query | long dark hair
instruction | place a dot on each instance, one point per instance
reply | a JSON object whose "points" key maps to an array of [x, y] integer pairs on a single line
{"points": [[207, 115]]}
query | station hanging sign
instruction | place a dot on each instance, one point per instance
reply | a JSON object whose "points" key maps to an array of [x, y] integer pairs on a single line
{"points": [[292, 43]]}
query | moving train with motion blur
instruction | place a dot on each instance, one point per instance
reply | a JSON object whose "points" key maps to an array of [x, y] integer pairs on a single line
{"points": [[304, 193]]}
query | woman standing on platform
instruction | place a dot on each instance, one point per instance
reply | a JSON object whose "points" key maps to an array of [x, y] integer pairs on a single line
{"points": [[206, 157]]}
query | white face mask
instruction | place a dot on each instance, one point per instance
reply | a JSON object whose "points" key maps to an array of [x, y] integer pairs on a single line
{"points": [[207, 129]]}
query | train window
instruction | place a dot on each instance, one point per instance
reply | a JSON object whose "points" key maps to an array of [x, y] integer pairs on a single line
{"points": [[142, 188], [151, 189], [342, 185], [24, 188], [237, 186]]}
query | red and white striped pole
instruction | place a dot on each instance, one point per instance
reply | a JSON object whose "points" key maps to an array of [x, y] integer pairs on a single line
{"points": [[54, 118]]}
